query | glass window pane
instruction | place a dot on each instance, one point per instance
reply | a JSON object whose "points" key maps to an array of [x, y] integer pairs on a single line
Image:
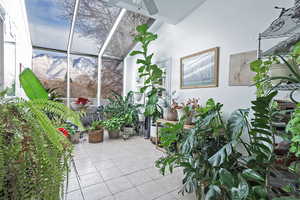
{"points": [[122, 41], [51, 68], [112, 77], [10, 68], [93, 24], [49, 27], [83, 75]]}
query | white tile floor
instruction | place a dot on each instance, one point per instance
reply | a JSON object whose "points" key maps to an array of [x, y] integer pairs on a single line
{"points": [[122, 170]]}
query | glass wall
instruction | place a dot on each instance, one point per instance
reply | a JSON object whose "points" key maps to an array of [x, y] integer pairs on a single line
{"points": [[50, 23], [83, 75], [51, 69], [10, 68], [112, 77]]}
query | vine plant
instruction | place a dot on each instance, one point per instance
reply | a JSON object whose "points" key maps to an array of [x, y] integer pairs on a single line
{"points": [[151, 73]]}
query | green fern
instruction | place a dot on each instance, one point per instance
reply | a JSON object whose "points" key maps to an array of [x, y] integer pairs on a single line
{"points": [[34, 156]]}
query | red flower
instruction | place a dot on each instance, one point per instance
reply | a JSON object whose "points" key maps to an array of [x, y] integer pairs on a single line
{"points": [[81, 101], [64, 131]]}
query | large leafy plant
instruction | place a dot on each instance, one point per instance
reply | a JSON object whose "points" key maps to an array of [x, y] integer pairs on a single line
{"points": [[151, 73], [214, 166], [123, 107], [34, 156]]}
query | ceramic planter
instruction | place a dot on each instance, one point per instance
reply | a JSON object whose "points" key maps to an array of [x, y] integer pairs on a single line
{"points": [[96, 136], [114, 134], [170, 114]]}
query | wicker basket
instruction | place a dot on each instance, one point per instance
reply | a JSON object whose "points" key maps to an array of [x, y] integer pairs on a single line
{"points": [[96, 136]]}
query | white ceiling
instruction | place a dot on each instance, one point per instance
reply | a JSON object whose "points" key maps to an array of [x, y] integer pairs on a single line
{"points": [[170, 11]]}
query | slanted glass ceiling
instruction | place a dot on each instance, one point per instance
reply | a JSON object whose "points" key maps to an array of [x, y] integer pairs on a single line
{"points": [[50, 24]]}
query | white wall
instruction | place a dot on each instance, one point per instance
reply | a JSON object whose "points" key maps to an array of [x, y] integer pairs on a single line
{"points": [[16, 24], [232, 25]]}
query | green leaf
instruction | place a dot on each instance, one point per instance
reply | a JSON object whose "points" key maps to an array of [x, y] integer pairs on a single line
{"points": [[255, 65], [32, 85], [237, 122], [136, 53], [140, 61], [260, 191], [141, 69], [296, 49], [219, 158], [226, 178], [142, 28], [250, 174], [213, 193], [243, 188]]}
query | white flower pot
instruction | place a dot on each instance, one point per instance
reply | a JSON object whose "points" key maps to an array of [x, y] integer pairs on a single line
{"points": [[170, 114]]}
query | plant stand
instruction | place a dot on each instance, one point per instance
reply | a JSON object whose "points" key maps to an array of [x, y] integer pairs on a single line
{"points": [[77, 178]]}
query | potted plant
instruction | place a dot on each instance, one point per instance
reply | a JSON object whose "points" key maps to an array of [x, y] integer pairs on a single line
{"points": [[130, 119], [187, 110], [113, 126], [96, 132], [169, 109], [74, 133]]}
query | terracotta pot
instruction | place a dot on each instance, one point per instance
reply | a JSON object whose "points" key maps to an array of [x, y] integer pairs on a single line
{"points": [[114, 134], [170, 114], [75, 138], [96, 136]]}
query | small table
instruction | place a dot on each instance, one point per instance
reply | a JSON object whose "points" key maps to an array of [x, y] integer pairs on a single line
{"points": [[163, 121]]}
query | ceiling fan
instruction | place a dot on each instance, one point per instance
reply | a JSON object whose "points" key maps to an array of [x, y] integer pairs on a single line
{"points": [[150, 5]]}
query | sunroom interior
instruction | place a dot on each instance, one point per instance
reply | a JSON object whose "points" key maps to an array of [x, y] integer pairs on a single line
{"points": [[149, 99]]}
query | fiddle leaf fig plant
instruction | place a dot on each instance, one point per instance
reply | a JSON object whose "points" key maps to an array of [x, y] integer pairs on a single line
{"points": [[151, 73]]}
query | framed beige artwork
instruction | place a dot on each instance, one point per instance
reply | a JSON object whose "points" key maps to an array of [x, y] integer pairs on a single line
{"points": [[200, 70], [239, 72]]}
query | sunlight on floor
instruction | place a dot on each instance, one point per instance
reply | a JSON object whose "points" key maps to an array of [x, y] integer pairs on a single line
{"points": [[122, 170]]}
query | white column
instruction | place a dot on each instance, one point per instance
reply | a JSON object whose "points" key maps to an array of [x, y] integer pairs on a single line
{"points": [[69, 50]]}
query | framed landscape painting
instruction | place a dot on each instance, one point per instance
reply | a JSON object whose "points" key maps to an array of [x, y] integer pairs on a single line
{"points": [[200, 70]]}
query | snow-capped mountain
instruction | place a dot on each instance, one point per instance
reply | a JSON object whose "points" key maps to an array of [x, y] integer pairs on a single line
{"points": [[55, 67]]}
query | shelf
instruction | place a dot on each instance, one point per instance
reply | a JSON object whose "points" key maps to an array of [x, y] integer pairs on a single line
{"points": [[283, 47], [288, 87], [287, 23]]}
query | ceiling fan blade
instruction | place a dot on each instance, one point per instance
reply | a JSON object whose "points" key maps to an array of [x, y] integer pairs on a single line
{"points": [[151, 6]]}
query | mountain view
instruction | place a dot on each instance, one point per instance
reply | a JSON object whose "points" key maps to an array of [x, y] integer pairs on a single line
{"points": [[52, 69]]}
